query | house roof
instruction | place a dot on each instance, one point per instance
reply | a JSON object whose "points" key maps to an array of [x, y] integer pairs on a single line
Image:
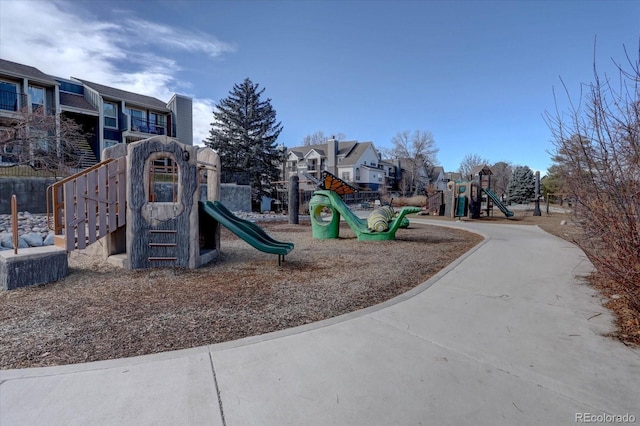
{"points": [[302, 151], [75, 101], [19, 70], [481, 168], [133, 98], [355, 153], [436, 171], [349, 151]]}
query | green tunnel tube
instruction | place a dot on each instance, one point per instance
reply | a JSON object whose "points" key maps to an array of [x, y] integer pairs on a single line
{"points": [[320, 228]]}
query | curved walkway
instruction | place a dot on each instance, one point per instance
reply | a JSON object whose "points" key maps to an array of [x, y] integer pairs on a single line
{"points": [[506, 335]]}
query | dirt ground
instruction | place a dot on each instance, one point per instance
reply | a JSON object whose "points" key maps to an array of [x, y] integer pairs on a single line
{"points": [[101, 312]]}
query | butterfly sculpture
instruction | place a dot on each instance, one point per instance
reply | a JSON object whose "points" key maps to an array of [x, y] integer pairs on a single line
{"points": [[335, 184]]}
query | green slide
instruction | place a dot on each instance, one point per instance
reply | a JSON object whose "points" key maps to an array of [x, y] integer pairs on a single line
{"points": [[497, 202], [246, 230], [360, 226]]}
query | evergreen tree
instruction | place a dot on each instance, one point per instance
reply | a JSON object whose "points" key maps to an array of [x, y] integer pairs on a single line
{"points": [[244, 133], [522, 186]]}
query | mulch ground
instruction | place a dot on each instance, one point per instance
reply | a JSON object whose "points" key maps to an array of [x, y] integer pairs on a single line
{"points": [[100, 312]]}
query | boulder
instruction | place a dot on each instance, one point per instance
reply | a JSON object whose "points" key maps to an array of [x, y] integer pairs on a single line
{"points": [[33, 239]]}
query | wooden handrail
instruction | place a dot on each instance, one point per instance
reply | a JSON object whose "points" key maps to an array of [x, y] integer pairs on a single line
{"points": [[88, 205], [52, 199]]}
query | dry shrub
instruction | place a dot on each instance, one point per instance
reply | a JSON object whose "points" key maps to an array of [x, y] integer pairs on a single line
{"points": [[625, 305], [416, 200], [598, 154]]}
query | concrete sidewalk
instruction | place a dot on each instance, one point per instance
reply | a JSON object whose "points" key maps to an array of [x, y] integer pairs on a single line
{"points": [[507, 335]]}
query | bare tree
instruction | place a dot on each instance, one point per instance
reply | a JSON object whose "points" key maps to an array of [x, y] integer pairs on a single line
{"points": [[49, 142], [417, 151], [469, 162], [597, 146], [502, 172], [318, 138]]}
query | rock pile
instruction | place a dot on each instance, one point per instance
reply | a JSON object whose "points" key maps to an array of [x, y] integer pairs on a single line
{"points": [[32, 231]]}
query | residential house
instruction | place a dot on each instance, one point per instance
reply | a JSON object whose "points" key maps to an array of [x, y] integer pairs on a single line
{"points": [[357, 163], [110, 115], [24, 90], [437, 179]]}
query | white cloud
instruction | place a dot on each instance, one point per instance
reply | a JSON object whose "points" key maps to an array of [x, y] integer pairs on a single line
{"points": [[203, 116], [183, 40], [64, 43]]}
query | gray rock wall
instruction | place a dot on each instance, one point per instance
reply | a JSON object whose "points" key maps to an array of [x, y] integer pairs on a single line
{"points": [[236, 198], [31, 194]]}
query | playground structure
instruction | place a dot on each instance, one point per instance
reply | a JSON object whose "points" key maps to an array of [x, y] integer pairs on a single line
{"points": [[382, 226], [472, 198], [143, 203], [122, 200]]}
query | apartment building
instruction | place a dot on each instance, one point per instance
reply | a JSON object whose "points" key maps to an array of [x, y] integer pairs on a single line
{"points": [[109, 115], [358, 163]]}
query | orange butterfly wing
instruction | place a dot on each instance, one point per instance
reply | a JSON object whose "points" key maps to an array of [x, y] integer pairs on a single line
{"points": [[334, 183]]}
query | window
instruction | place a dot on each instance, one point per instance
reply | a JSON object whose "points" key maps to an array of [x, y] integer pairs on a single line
{"points": [[110, 142], [164, 176], [110, 111], [41, 140], [157, 123], [138, 120], [37, 98], [8, 96], [346, 176]]}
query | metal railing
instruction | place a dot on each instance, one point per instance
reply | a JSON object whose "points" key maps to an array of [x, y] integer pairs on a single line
{"points": [[12, 101], [142, 125]]}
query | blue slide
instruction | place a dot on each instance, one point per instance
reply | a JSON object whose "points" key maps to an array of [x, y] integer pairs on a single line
{"points": [[248, 231], [498, 203]]}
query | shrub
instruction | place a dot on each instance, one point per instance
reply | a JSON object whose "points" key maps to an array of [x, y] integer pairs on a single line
{"points": [[597, 153]]}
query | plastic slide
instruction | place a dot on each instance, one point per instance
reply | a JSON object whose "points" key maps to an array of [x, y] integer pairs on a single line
{"points": [[246, 230], [359, 226], [497, 202]]}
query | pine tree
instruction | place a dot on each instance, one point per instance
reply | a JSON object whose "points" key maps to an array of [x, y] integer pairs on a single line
{"points": [[522, 186], [244, 133]]}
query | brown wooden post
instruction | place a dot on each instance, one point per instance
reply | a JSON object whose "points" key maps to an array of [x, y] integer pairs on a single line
{"points": [[14, 222]]}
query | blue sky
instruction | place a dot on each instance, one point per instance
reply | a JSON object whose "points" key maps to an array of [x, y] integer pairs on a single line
{"points": [[478, 75]]}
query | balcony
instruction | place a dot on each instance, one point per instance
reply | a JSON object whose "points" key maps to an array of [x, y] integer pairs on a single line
{"points": [[140, 128], [12, 102], [140, 125]]}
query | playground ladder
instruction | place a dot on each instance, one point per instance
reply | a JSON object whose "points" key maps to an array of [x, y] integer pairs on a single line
{"points": [[88, 205], [166, 233]]}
